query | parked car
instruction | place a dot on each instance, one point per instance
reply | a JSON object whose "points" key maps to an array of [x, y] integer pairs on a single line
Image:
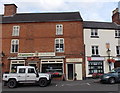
{"points": [[112, 77], [26, 74]]}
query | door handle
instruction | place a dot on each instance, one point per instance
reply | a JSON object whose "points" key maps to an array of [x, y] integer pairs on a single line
{"points": [[19, 76], [27, 76]]}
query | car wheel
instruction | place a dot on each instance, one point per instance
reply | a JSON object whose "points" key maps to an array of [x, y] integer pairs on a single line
{"points": [[12, 83], [112, 80], [43, 82]]}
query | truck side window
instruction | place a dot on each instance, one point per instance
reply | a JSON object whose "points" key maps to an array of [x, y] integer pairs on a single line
{"points": [[22, 70], [31, 70]]}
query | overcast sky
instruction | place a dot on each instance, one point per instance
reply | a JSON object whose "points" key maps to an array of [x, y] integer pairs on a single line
{"points": [[90, 10]]}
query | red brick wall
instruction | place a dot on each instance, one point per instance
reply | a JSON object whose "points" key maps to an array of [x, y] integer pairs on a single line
{"points": [[41, 37]]}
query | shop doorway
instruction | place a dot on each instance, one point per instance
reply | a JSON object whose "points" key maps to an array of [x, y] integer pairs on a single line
{"points": [[70, 71]]}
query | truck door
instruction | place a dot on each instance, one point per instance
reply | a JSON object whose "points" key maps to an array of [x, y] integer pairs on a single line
{"points": [[31, 75], [21, 74]]}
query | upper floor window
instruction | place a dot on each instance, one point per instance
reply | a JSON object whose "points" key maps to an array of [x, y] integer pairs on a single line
{"points": [[117, 33], [94, 33], [15, 30], [59, 45], [118, 50], [14, 45], [95, 50], [59, 29]]}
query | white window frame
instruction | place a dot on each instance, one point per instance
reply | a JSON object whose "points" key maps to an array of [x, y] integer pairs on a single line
{"points": [[59, 29], [117, 33], [59, 42], [96, 48], [94, 31], [16, 30], [16, 43]]}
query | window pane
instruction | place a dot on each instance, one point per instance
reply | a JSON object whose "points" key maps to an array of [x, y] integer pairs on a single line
{"points": [[31, 70], [22, 70]]}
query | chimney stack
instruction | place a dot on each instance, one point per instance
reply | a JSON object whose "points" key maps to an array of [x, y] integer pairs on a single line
{"points": [[10, 9], [116, 15]]}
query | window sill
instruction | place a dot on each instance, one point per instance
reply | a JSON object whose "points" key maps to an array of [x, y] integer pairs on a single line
{"points": [[118, 55], [117, 36], [59, 52], [95, 56], [94, 36]]}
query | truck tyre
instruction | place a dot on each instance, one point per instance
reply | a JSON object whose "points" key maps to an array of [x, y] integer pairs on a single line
{"points": [[112, 80], [12, 83], [43, 82]]}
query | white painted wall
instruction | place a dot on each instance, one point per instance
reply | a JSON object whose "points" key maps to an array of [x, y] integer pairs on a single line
{"points": [[78, 70], [105, 36]]}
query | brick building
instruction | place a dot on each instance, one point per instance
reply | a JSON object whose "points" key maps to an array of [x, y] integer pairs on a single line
{"points": [[48, 41]]}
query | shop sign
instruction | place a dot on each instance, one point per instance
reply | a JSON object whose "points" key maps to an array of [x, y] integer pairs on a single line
{"points": [[117, 59], [26, 54], [74, 60], [95, 58], [46, 54]]}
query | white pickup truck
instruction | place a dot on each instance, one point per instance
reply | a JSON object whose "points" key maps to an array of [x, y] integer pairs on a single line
{"points": [[26, 74]]}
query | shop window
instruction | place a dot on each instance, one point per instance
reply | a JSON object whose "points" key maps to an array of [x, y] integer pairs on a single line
{"points": [[94, 33], [95, 50], [14, 46], [59, 45], [118, 50], [117, 33], [54, 69], [15, 30], [59, 29], [96, 67], [14, 65]]}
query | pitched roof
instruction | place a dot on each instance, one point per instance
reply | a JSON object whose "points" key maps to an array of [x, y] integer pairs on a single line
{"points": [[100, 25], [42, 17]]}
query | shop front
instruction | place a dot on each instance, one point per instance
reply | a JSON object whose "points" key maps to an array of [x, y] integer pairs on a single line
{"points": [[95, 65], [74, 69]]}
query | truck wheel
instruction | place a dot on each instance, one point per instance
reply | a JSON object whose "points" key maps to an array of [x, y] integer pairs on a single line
{"points": [[12, 83], [111, 80], [43, 82]]}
